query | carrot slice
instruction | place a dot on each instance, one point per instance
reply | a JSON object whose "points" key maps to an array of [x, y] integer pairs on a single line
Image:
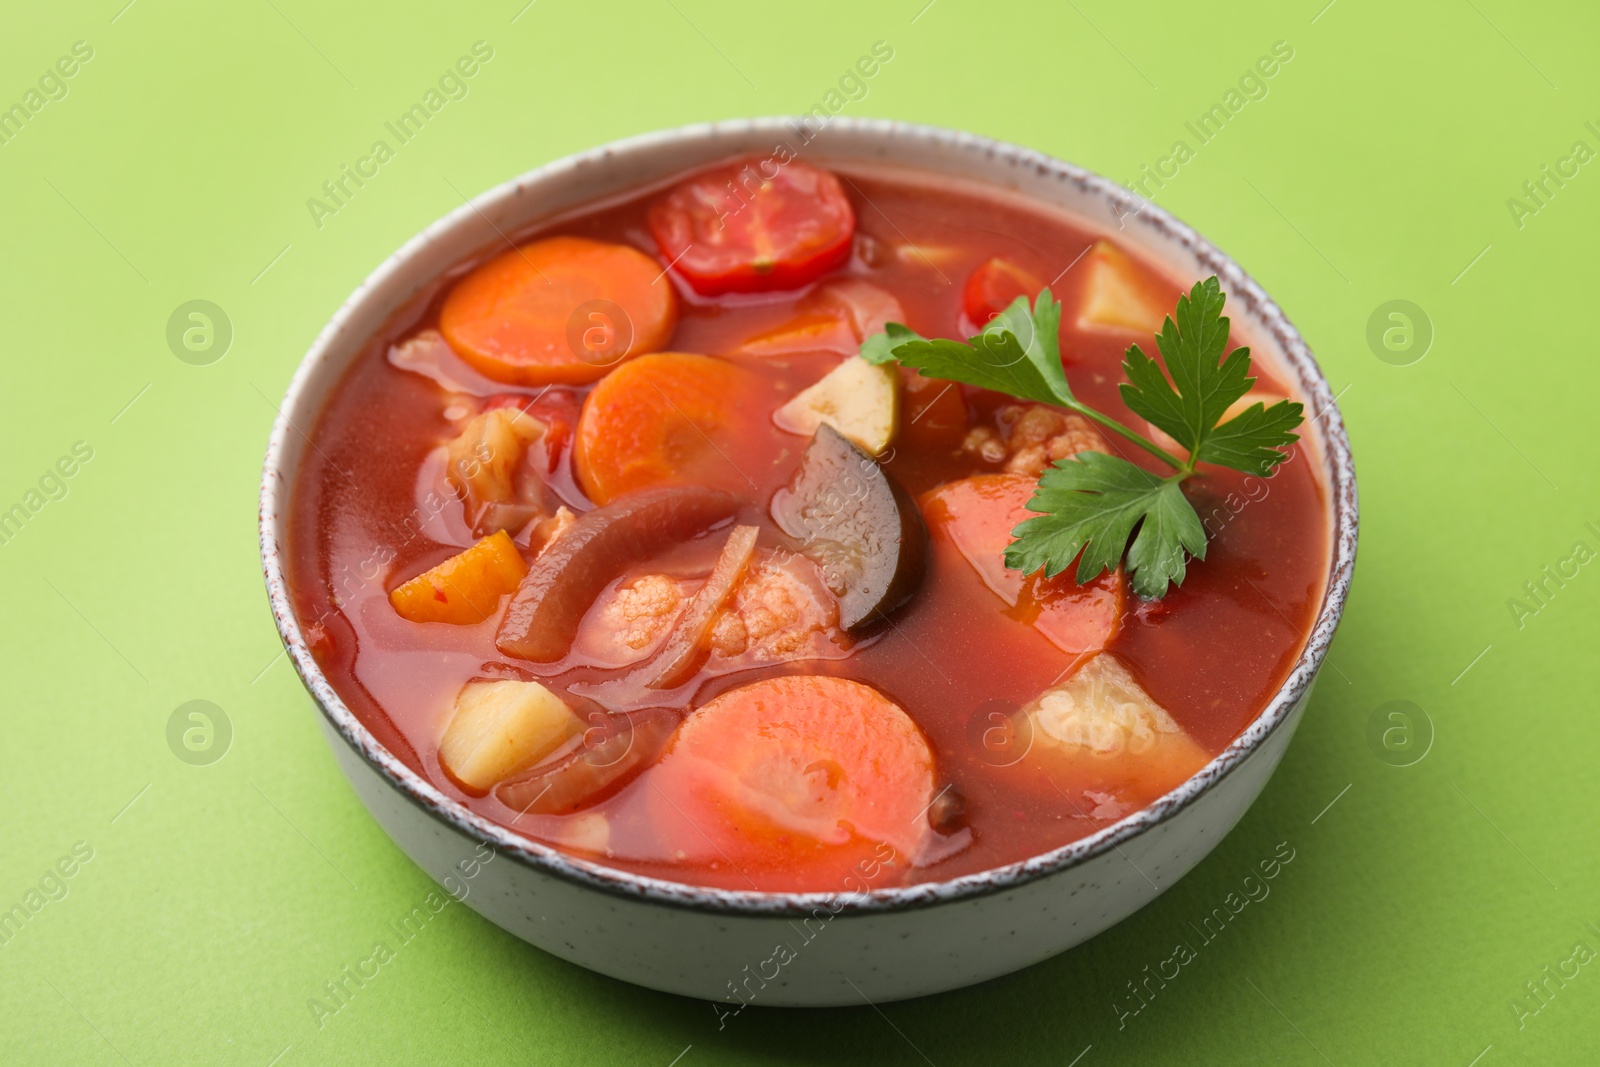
{"points": [[812, 331], [663, 419], [976, 515], [564, 309], [465, 588], [795, 780], [835, 317]]}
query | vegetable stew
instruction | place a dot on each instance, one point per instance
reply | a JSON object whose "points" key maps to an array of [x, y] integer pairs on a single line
{"points": [[643, 535]]}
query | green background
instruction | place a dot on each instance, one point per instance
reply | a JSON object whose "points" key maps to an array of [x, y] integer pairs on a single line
{"points": [[1378, 167]]}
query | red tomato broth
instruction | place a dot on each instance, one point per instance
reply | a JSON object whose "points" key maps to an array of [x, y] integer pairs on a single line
{"points": [[1212, 652]]}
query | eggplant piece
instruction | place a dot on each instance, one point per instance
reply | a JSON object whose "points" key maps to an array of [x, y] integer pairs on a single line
{"points": [[858, 524], [564, 581]]}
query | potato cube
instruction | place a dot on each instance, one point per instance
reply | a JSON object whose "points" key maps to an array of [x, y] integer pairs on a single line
{"points": [[859, 399], [1118, 294], [502, 727], [1100, 731]]}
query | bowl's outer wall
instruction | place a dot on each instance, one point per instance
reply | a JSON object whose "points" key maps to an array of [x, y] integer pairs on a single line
{"points": [[830, 959], [688, 941]]}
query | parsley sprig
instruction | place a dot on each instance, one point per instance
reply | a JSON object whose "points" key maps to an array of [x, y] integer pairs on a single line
{"points": [[1099, 508]]}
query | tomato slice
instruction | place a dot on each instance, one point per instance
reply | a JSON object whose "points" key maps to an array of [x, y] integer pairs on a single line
{"points": [[993, 286], [976, 515], [736, 230]]}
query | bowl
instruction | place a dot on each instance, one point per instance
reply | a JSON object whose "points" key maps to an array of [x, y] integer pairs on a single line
{"points": [[808, 949]]}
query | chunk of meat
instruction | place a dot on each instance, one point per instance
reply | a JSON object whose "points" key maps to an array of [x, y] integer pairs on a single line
{"points": [[1033, 436]]}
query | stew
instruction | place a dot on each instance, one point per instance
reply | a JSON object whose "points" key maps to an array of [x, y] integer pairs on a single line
{"points": [[616, 538]]}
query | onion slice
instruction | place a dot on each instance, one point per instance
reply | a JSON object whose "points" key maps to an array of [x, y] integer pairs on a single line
{"points": [[679, 656], [567, 577], [614, 750]]}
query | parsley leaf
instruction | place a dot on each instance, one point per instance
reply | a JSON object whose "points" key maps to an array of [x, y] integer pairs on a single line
{"points": [[1017, 354], [1091, 503], [1204, 383], [879, 348], [1098, 508], [1252, 440]]}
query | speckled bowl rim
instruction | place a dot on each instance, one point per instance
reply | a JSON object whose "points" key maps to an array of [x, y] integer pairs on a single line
{"points": [[1243, 293]]}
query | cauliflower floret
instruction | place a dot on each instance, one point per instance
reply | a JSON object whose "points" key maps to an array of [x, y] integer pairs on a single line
{"points": [[641, 611], [1102, 711], [984, 442], [779, 609], [631, 619]]}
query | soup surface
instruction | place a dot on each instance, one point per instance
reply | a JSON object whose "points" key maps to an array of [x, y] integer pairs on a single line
{"points": [[614, 538]]}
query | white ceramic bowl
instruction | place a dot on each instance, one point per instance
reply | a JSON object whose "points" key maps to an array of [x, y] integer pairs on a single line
{"points": [[808, 948]]}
